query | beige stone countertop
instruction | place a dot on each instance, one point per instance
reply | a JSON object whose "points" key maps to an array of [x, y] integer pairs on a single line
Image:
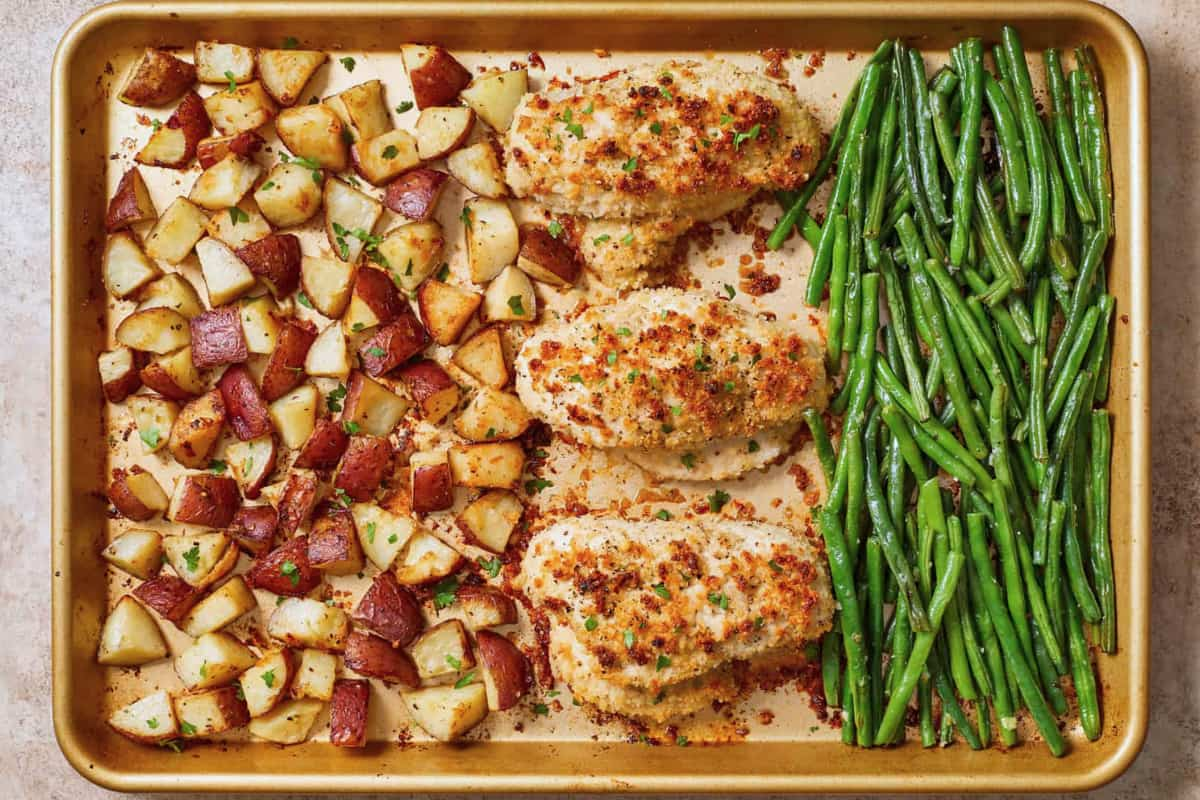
{"points": [[31, 765]]}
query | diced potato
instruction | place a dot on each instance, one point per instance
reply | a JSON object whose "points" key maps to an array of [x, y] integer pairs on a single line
{"points": [[371, 406], [245, 108], [284, 73], [266, 684], [415, 194], [155, 330], [204, 714], [252, 462], [204, 499], [426, 559], [196, 430], [446, 309], [295, 415], [381, 533], [172, 291], [201, 559], [435, 75], [149, 721], [413, 251], [214, 659], [238, 227], [495, 95], [220, 63], [510, 298], [333, 544], [435, 392], [174, 375], [327, 283], [126, 267], [303, 622], [226, 276], [154, 418], [138, 552], [546, 258], [478, 168], [225, 183], [177, 231], [431, 483], [487, 466], [362, 110], [119, 376], [316, 671], [485, 607], [493, 415], [482, 357], [287, 723], [374, 300], [130, 204], [174, 144], [289, 196], [130, 636], [156, 79], [260, 324], [390, 611], [314, 132], [442, 650], [348, 713], [447, 712], [350, 210], [329, 357], [506, 671], [136, 495], [490, 519], [493, 240], [227, 602], [442, 130], [385, 156], [212, 149]]}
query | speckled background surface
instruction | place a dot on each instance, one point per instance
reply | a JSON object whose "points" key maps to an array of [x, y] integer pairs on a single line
{"points": [[30, 763]]}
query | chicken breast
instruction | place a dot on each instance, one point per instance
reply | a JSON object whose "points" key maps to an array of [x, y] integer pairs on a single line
{"points": [[655, 619], [643, 154], [687, 374]]}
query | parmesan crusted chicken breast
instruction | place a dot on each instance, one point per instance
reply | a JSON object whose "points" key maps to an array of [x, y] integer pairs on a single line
{"points": [[681, 381], [657, 619], [643, 154]]}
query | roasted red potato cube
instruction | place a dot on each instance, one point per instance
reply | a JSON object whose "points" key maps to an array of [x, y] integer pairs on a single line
{"points": [[275, 260], [366, 462], [435, 75], [202, 499], [169, 596], [136, 494], [431, 482], [119, 374], [446, 309], [173, 375], [374, 300], [174, 144], [486, 606], [131, 203], [214, 149], [546, 258], [390, 610], [435, 392], [217, 338], [158, 78], [252, 463], [333, 543], [376, 658], [248, 414], [285, 366], [393, 344], [324, 447], [372, 406], [348, 713], [482, 357], [297, 501], [285, 570], [415, 194], [506, 672], [197, 429], [253, 528], [443, 649]]}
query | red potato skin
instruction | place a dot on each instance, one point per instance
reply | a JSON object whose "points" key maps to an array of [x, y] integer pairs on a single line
{"points": [[348, 711], [244, 144], [297, 501], [275, 259], [373, 657], [285, 365], [247, 412], [390, 610], [508, 665], [217, 338], [541, 248], [432, 488], [438, 81], [158, 79], [267, 571], [191, 118], [125, 501], [333, 539], [324, 447], [399, 341], [155, 377], [208, 500], [253, 490], [169, 596], [253, 528], [415, 194], [378, 291], [426, 379], [233, 708], [490, 596], [117, 390], [123, 209], [363, 467]]}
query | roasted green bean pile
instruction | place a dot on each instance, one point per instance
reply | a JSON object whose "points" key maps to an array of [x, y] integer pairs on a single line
{"points": [[967, 519]]}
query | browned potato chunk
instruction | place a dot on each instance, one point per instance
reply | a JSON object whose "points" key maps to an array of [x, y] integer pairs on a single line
{"points": [[546, 258], [202, 499], [285, 570], [289, 196], [213, 149], [435, 75], [154, 330], [239, 225], [366, 462], [217, 338], [197, 429], [376, 658], [130, 636], [242, 108], [495, 95], [175, 143], [225, 604], [158, 78], [371, 406], [510, 298], [393, 344], [362, 110], [274, 260], [169, 596], [374, 300], [136, 495], [130, 203], [285, 367], [493, 415], [486, 607], [284, 73], [413, 252], [252, 462], [253, 528], [490, 519], [327, 283], [225, 183], [447, 712], [221, 63], [426, 559], [390, 610], [441, 131], [202, 559], [304, 622], [248, 414], [493, 240], [446, 309], [119, 374], [333, 544], [487, 466], [137, 552], [478, 168], [177, 231], [415, 194], [482, 357], [348, 210], [266, 684], [348, 713], [442, 650], [506, 671], [214, 659], [203, 714], [434, 392], [297, 500], [172, 291], [324, 446], [430, 481], [289, 722], [147, 721], [314, 132], [126, 268], [329, 356], [381, 533]]}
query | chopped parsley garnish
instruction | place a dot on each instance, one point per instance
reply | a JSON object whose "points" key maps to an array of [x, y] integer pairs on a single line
{"points": [[630, 165], [588, 109], [390, 152], [753, 446], [371, 532], [655, 128], [236, 215], [443, 272], [682, 741], [666, 93], [667, 428], [793, 356], [465, 680], [465, 216], [773, 564], [662, 663], [688, 460], [491, 566], [726, 119], [759, 622], [662, 591], [738, 138], [268, 185], [729, 290], [405, 106], [444, 592], [717, 500], [303, 300], [268, 678], [730, 386], [627, 238], [187, 728], [611, 357], [333, 401], [663, 514], [541, 709], [192, 558], [454, 662], [591, 623], [628, 638], [376, 352], [151, 437], [536, 485], [490, 433], [601, 239], [624, 332], [576, 378], [348, 63], [632, 376], [204, 670], [292, 572], [290, 43], [229, 76], [516, 305], [393, 538], [719, 600], [156, 124], [555, 228], [676, 410], [152, 723], [342, 498], [574, 128]]}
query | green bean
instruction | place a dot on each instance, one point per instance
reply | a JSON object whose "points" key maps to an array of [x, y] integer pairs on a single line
{"points": [[1100, 544], [960, 668], [1081, 294], [1038, 608], [909, 355], [849, 729], [822, 259], [1064, 137], [874, 623], [1034, 244], [1057, 186], [1078, 348], [976, 380], [1098, 357], [897, 706], [1060, 260], [943, 130], [1077, 580], [906, 445], [996, 246], [983, 722], [1098, 154], [908, 93], [1013, 164], [1015, 375], [853, 449], [837, 290], [951, 372], [831, 663], [854, 208], [1052, 574], [1013, 651], [967, 158], [1002, 698], [1010, 568], [1037, 372], [926, 148], [1079, 395], [816, 425], [1075, 84], [950, 705], [998, 437], [971, 640], [842, 573], [1046, 670], [975, 337], [896, 497], [1082, 675], [883, 161]]}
